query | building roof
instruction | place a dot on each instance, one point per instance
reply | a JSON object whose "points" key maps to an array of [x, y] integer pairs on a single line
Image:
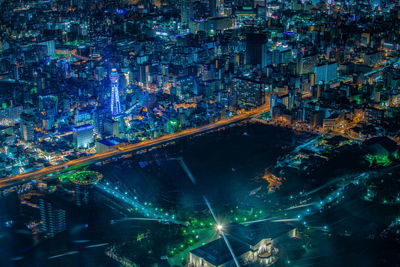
{"points": [[241, 238], [217, 252], [256, 232], [111, 141], [82, 128]]}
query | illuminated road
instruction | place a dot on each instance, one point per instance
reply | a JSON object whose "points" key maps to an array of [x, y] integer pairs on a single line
{"points": [[127, 148]]}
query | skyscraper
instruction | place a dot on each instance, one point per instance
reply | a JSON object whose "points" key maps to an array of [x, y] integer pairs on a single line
{"points": [[256, 49], [115, 104], [83, 135], [325, 72], [185, 13], [213, 8], [27, 131]]}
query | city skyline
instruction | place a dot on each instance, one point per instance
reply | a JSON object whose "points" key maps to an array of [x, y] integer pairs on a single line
{"points": [[199, 133]]}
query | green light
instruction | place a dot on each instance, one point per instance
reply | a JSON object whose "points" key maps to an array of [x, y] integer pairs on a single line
{"points": [[378, 160]]}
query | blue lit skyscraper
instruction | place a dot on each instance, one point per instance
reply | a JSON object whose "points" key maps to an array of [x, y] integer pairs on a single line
{"points": [[115, 104]]}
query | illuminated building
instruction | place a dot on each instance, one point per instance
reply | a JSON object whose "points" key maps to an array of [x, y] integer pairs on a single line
{"points": [[374, 116], [325, 72], [111, 128], [185, 13], [250, 92], [212, 25], [82, 117], [50, 48], [98, 118], [305, 64], [27, 131], [107, 144], [10, 115], [115, 104], [254, 244], [83, 135]]}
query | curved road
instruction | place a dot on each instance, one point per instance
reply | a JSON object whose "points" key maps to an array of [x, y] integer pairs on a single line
{"points": [[123, 149]]}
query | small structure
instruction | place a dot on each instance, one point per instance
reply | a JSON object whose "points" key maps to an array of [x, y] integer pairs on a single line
{"points": [[255, 243]]}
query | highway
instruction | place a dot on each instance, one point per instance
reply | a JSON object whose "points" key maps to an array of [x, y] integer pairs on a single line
{"points": [[127, 148]]}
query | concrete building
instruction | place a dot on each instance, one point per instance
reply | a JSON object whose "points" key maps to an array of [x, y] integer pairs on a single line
{"points": [[83, 135], [27, 131], [325, 72], [107, 144], [111, 128]]}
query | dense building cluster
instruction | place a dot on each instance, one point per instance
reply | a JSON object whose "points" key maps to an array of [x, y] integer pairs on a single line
{"points": [[80, 79], [170, 66]]}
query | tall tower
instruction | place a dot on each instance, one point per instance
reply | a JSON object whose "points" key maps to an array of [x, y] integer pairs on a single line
{"points": [[115, 104]]}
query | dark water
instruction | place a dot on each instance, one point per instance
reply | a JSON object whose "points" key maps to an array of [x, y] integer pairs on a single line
{"points": [[227, 167]]}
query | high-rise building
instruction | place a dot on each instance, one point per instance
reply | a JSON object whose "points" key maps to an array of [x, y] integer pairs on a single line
{"points": [[50, 48], [99, 117], [83, 135], [213, 8], [111, 127], [115, 103], [256, 49], [325, 72], [250, 92], [185, 13], [27, 131], [305, 64]]}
